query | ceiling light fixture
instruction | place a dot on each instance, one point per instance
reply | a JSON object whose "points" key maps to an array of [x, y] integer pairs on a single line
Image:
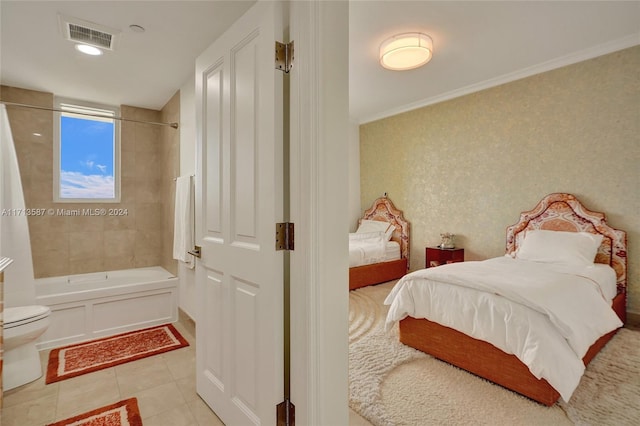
{"points": [[406, 51], [88, 50]]}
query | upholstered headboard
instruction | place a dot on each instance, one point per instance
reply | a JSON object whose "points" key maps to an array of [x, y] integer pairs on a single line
{"points": [[563, 212], [383, 210]]}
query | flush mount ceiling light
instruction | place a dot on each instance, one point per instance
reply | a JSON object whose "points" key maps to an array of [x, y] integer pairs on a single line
{"points": [[89, 50], [406, 51]]}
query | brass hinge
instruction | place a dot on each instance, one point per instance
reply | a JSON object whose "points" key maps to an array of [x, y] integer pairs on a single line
{"points": [[196, 251], [286, 413], [285, 236], [284, 56]]}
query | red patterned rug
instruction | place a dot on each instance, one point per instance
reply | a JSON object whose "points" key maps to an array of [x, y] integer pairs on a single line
{"points": [[82, 358], [123, 413]]}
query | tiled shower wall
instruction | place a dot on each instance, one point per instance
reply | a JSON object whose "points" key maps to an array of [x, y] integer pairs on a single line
{"points": [[170, 166], [63, 245]]}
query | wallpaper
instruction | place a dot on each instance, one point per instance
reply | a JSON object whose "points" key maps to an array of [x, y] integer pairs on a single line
{"points": [[470, 165]]}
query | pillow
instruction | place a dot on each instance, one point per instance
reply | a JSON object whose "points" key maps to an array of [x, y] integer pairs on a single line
{"points": [[376, 226], [366, 236], [573, 248]]}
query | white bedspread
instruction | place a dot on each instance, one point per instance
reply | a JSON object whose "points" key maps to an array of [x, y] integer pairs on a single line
{"points": [[548, 315], [365, 249]]}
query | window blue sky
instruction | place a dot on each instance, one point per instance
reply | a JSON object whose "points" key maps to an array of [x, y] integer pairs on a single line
{"points": [[86, 158]]}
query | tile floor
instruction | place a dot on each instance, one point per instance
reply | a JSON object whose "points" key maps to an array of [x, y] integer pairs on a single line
{"points": [[164, 385]]}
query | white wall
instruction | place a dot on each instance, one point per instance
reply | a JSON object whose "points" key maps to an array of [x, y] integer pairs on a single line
{"points": [[187, 286]]}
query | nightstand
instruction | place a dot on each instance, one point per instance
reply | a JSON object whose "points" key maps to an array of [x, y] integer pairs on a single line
{"points": [[436, 256]]}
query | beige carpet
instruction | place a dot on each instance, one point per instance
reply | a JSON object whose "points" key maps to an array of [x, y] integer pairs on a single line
{"points": [[393, 384]]}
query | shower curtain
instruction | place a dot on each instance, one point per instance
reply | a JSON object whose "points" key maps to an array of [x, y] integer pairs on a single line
{"points": [[19, 285]]}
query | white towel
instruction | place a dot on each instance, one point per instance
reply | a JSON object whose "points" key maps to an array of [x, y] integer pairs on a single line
{"points": [[183, 226]]}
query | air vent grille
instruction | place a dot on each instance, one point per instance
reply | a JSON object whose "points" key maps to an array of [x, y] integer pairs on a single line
{"points": [[81, 31], [90, 36]]}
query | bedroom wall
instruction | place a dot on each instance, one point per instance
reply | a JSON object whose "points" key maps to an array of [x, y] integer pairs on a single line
{"points": [[470, 165]]}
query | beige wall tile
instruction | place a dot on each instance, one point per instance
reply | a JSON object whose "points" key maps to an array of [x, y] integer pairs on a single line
{"points": [[149, 217], [145, 260], [148, 243], [50, 265], [128, 164], [119, 243], [86, 245], [84, 266], [122, 221], [147, 138], [147, 165], [147, 190], [119, 263], [86, 223], [50, 243], [128, 187], [64, 244]]}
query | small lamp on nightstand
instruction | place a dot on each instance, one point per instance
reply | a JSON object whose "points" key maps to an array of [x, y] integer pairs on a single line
{"points": [[447, 241]]}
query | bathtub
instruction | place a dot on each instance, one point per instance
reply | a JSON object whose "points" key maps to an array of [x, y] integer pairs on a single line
{"points": [[88, 306]]}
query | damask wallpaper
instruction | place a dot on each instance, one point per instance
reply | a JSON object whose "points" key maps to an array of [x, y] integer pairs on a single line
{"points": [[470, 165]]}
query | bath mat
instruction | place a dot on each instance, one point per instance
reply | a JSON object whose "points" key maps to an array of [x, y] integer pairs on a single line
{"points": [[75, 360], [123, 413]]}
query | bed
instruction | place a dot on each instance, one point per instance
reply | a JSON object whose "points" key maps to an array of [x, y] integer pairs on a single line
{"points": [[572, 348], [382, 210]]}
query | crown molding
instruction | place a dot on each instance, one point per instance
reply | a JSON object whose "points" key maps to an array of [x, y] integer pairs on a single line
{"points": [[573, 58]]}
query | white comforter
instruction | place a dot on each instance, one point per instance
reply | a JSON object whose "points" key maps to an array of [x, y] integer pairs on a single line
{"points": [[548, 315], [365, 249]]}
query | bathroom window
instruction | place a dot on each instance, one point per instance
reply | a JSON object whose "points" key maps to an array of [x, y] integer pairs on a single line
{"points": [[87, 152]]}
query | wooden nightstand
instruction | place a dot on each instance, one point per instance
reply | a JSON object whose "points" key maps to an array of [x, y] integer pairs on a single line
{"points": [[436, 256]]}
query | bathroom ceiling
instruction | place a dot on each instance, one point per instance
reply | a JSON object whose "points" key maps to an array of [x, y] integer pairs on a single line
{"points": [[145, 69], [477, 44]]}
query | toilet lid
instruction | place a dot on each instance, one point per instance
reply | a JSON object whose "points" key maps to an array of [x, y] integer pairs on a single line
{"points": [[24, 314]]}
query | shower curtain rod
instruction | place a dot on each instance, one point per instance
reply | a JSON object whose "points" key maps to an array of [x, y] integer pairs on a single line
{"points": [[174, 125]]}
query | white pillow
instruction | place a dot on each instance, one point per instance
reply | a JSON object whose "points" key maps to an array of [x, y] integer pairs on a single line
{"points": [[573, 248], [367, 226], [389, 232], [366, 236]]}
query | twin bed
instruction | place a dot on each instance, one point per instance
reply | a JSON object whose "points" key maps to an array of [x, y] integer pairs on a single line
{"points": [[531, 320], [368, 270]]}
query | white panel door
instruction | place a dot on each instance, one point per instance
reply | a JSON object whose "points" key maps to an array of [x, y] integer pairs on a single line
{"points": [[239, 279]]}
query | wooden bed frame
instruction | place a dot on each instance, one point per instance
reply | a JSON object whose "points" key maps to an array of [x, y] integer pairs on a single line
{"points": [[557, 211], [361, 276]]}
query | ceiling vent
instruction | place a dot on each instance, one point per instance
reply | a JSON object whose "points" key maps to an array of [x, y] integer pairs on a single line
{"points": [[79, 31]]}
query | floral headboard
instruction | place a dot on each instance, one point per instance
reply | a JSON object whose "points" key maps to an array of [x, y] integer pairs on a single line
{"points": [[383, 210], [563, 212]]}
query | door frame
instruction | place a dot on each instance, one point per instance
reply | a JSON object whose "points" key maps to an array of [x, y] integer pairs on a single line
{"points": [[319, 141]]}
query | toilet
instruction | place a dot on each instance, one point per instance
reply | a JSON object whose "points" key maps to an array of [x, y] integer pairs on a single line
{"points": [[21, 361]]}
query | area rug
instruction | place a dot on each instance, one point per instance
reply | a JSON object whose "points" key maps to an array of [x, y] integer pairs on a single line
{"points": [[393, 384], [123, 413], [86, 357]]}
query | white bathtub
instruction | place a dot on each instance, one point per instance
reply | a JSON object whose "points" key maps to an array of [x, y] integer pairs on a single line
{"points": [[88, 306]]}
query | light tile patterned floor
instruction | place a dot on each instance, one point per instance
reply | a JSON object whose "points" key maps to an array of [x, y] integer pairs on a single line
{"points": [[164, 385]]}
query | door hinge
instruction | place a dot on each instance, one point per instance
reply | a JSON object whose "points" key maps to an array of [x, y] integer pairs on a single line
{"points": [[284, 56], [286, 413], [196, 251], [285, 236]]}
